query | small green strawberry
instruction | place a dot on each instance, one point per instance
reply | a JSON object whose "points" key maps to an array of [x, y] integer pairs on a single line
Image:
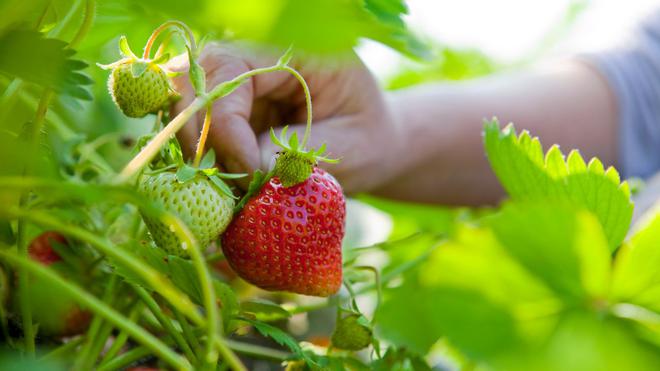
{"points": [[352, 332], [138, 86], [204, 208], [197, 195]]}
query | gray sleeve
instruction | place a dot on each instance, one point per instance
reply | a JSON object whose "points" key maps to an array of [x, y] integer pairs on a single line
{"points": [[633, 72]]}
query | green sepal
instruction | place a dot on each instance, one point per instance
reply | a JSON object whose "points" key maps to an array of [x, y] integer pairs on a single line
{"points": [[185, 173], [259, 178], [197, 74], [125, 49], [295, 164], [222, 186], [161, 59], [286, 57], [138, 68], [208, 161]]}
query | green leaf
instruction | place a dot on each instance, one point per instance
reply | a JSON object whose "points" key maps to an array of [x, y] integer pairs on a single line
{"points": [[184, 276], [467, 287], [24, 54], [138, 68], [636, 275], [208, 161], [279, 337], [185, 173], [152, 256], [339, 25], [527, 174], [264, 310], [561, 246]]}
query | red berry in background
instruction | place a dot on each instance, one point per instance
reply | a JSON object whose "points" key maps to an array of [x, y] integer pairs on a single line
{"points": [[41, 247], [289, 238], [56, 314]]}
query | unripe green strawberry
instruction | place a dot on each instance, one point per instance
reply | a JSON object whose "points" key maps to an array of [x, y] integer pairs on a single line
{"points": [[351, 333], [204, 208], [138, 86], [135, 94]]}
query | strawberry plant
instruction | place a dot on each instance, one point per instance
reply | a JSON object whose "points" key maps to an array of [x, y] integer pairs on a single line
{"points": [[117, 252]]}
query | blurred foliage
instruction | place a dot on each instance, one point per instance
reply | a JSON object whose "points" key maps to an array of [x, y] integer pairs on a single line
{"points": [[450, 64], [533, 286]]}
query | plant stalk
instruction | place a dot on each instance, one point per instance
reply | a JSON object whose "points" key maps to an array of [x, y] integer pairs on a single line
{"points": [[97, 306]]}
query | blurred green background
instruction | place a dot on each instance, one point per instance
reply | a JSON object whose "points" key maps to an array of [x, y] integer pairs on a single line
{"points": [[401, 56]]}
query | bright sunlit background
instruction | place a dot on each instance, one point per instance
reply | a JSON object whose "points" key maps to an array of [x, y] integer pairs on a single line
{"points": [[510, 31]]}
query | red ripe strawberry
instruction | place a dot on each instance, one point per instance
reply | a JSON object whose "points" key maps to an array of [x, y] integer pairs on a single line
{"points": [[288, 238], [41, 248], [61, 317]]}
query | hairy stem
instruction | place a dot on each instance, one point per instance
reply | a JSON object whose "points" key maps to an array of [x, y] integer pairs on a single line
{"points": [[219, 91], [202, 137], [178, 24], [97, 306], [308, 103]]}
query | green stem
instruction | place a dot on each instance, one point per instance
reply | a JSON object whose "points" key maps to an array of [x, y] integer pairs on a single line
{"points": [[121, 339], [164, 321], [24, 288], [187, 330], [213, 319], [228, 355], [308, 103], [97, 306], [257, 351], [84, 362], [219, 91], [62, 350], [126, 359], [86, 25], [156, 280], [164, 26], [23, 278]]}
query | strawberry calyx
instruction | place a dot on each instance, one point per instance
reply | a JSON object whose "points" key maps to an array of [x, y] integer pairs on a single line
{"points": [[138, 65], [294, 163], [171, 159]]}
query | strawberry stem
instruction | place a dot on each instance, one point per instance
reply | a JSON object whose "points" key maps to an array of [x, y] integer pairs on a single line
{"points": [[202, 137], [171, 23], [308, 102]]}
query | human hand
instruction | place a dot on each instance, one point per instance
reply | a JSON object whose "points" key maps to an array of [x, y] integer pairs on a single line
{"points": [[350, 114]]}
